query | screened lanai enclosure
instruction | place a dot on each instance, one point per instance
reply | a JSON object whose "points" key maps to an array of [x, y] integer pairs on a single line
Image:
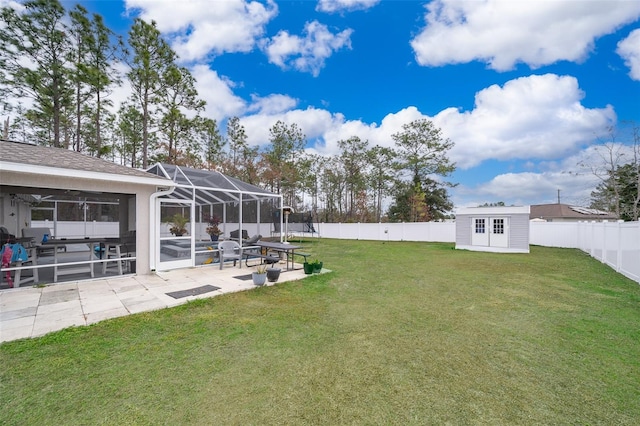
{"points": [[184, 218]]}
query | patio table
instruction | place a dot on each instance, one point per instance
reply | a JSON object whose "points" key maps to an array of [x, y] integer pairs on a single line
{"points": [[287, 249]]}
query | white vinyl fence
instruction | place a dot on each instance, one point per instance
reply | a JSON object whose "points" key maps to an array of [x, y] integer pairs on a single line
{"points": [[616, 244], [418, 231]]}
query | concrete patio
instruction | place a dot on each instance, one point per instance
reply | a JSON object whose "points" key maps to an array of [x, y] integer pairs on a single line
{"points": [[35, 311]]}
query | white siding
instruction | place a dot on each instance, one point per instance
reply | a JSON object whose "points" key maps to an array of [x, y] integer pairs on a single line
{"points": [[519, 236]]}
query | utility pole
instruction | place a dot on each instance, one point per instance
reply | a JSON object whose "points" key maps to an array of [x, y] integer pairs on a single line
{"points": [[558, 195]]}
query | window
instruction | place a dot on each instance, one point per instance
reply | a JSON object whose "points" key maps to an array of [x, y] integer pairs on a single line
{"points": [[498, 226], [479, 226]]}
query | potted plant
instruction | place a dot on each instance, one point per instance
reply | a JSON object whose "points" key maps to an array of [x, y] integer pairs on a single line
{"points": [[273, 274], [308, 267], [317, 266], [259, 275], [212, 229], [178, 224]]}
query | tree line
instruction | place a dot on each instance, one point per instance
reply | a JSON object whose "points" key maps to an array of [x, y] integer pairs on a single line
{"points": [[58, 69]]}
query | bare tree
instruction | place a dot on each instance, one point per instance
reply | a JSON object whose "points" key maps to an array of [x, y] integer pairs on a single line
{"points": [[609, 157]]}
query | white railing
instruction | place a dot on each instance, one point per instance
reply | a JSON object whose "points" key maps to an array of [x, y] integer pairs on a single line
{"points": [[69, 229], [616, 244]]}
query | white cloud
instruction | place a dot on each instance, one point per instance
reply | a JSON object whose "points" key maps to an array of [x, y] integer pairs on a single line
{"points": [[199, 28], [324, 129], [574, 176], [529, 188], [18, 6], [629, 50], [535, 117], [503, 33], [312, 121], [272, 104], [531, 118], [308, 53], [218, 93], [331, 6], [372, 132]]}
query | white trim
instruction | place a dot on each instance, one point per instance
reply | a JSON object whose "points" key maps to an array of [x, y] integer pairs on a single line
{"points": [[152, 180], [154, 221], [493, 211], [492, 249]]}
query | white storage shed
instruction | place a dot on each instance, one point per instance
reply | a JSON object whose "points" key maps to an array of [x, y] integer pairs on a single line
{"points": [[493, 229]]}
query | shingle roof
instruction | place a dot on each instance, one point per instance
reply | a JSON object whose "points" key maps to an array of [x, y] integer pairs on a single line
{"points": [[44, 156]]}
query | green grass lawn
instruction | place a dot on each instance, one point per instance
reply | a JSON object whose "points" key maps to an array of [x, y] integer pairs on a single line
{"points": [[398, 333]]}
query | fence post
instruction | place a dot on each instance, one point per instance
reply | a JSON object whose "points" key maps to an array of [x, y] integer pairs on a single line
{"points": [[593, 238], [619, 248]]}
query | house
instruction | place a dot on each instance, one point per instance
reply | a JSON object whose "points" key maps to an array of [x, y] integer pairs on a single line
{"points": [[493, 229], [567, 213], [146, 201], [27, 169]]}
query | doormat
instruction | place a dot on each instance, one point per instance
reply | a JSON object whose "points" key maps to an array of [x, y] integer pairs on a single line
{"points": [[193, 291], [243, 277]]}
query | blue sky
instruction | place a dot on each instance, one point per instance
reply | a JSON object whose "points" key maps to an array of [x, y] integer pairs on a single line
{"points": [[525, 89]]}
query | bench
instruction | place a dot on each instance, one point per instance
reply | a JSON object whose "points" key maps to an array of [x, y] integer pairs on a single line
{"points": [[264, 258], [305, 255]]}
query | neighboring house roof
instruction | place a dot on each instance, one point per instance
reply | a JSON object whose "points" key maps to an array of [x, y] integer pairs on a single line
{"points": [[45, 160], [565, 211]]}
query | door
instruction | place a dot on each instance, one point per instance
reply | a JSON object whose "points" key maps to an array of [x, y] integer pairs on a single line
{"points": [[479, 231], [499, 227], [174, 251]]}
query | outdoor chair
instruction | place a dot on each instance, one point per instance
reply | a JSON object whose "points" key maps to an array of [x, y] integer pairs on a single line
{"points": [[230, 250], [37, 235], [6, 237], [235, 235], [254, 239]]}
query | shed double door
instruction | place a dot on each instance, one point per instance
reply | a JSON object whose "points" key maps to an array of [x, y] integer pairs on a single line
{"points": [[490, 231]]}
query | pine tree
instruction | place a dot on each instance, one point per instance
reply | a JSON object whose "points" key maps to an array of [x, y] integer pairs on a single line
{"points": [[34, 51], [152, 56], [422, 152]]}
